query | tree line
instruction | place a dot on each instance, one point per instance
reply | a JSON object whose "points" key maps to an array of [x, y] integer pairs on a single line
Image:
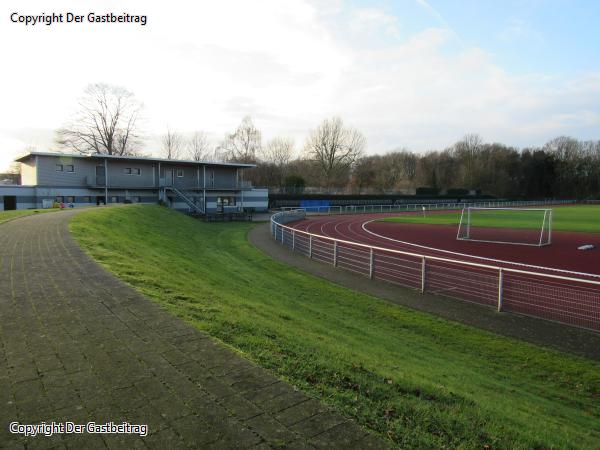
{"points": [[333, 157]]}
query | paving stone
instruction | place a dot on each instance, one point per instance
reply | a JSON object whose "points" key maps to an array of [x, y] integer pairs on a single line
{"points": [[240, 407], [94, 349], [283, 401], [195, 432], [346, 434], [299, 412], [271, 430], [163, 439], [170, 407], [217, 387], [151, 388]]}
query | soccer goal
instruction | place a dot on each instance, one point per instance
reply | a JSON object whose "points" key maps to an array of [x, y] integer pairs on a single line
{"points": [[521, 226]]}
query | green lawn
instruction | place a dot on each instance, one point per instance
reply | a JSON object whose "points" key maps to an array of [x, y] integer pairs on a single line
{"points": [[9, 215], [584, 218], [418, 380]]}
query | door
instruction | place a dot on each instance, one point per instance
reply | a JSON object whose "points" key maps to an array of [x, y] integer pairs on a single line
{"points": [[100, 175], [169, 177], [10, 202]]}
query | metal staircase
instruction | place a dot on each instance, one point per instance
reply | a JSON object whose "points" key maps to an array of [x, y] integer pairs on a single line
{"points": [[181, 194]]}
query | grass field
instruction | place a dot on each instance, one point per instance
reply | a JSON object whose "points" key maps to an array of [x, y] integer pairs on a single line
{"points": [[584, 218], [9, 215], [418, 380]]}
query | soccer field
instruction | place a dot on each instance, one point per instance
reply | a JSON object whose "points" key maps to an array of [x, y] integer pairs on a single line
{"points": [[585, 218]]}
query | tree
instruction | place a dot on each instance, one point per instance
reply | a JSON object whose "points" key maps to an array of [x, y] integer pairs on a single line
{"points": [[243, 145], [279, 151], [198, 148], [294, 184], [14, 168], [106, 123], [363, 174], [334, 148], [274, 161], [467, 150], [172, 144]]}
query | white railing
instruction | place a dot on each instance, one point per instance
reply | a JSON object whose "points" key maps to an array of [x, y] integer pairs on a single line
{"points": [[565, 299], [362, 209]]}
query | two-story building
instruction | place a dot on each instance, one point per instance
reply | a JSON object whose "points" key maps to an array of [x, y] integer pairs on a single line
{"points": [[83, 180]]}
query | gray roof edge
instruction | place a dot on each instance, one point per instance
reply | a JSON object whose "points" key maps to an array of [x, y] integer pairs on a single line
{"points": [[135, 158]]}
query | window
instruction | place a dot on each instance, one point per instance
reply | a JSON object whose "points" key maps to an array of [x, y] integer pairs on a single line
{"points": [[70, 168], [59, 199], [137, 171], [86, 199], [70, 199], [59, 167], [127, 171], [180, 173], [137, 199], [226, 201], [114, 199]]}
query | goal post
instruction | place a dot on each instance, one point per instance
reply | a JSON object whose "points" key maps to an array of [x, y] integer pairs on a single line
{"points": [[520, 226]]}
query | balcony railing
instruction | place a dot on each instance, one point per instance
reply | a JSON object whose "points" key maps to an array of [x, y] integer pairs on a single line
{"points": [[99, 181]]}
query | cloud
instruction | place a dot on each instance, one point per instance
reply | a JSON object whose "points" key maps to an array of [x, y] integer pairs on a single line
{"points": [[425, 94], [374, 20], [439, 18], [203, 66], [517, 30]]}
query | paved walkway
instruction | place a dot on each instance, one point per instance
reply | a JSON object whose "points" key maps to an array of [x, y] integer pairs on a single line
{"points": [[78, 345]]}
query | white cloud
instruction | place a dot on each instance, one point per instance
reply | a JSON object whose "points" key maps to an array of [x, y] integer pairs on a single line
{"points": [[374, 20], [517, 30], [289, 65]]}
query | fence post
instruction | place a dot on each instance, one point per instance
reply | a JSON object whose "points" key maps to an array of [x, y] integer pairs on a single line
{"points": [[423, 275], [500, 288], [282, 232], [371, 264], [293, 239], [310, 246], [334, 253]]}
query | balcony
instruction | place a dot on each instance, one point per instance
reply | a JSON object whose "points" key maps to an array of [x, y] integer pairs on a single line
{"points": [[210, 184], [95, 181]]}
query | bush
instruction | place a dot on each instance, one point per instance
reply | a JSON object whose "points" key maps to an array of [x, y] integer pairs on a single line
{"points": [[427, 191], [294, 184], [457, 191]]}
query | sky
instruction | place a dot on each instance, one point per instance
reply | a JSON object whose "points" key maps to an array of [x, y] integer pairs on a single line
{"points": [[418, 74]]}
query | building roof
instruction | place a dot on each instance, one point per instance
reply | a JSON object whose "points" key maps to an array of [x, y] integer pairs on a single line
{"points": [[134, 158]]}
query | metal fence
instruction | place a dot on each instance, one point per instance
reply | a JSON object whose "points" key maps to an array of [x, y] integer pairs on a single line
{"points": [[573, 301], [360, 209]]}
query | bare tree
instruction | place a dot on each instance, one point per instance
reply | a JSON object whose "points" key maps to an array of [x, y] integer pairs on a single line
{"points": [[106, 123], [467, 150], [198, 148], [14, 168], [363, 173], [172, 144], [334, 147], [279, 151], [244, 143]]}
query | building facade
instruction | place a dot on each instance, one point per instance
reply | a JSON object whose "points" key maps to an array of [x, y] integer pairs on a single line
{"points": [[84, 180]]}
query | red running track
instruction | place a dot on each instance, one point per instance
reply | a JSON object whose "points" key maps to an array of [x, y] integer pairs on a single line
{"points": [[565, 301]]}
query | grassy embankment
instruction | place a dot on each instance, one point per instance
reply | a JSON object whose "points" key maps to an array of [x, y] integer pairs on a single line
{"points": [[9, 215], [418, 380], [583, 218]]}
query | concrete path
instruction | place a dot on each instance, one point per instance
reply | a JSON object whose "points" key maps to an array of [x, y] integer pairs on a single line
{"points": [[77, 345]]}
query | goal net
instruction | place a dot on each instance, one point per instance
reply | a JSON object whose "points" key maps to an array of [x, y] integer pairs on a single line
{"points": [[520, 226]]}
